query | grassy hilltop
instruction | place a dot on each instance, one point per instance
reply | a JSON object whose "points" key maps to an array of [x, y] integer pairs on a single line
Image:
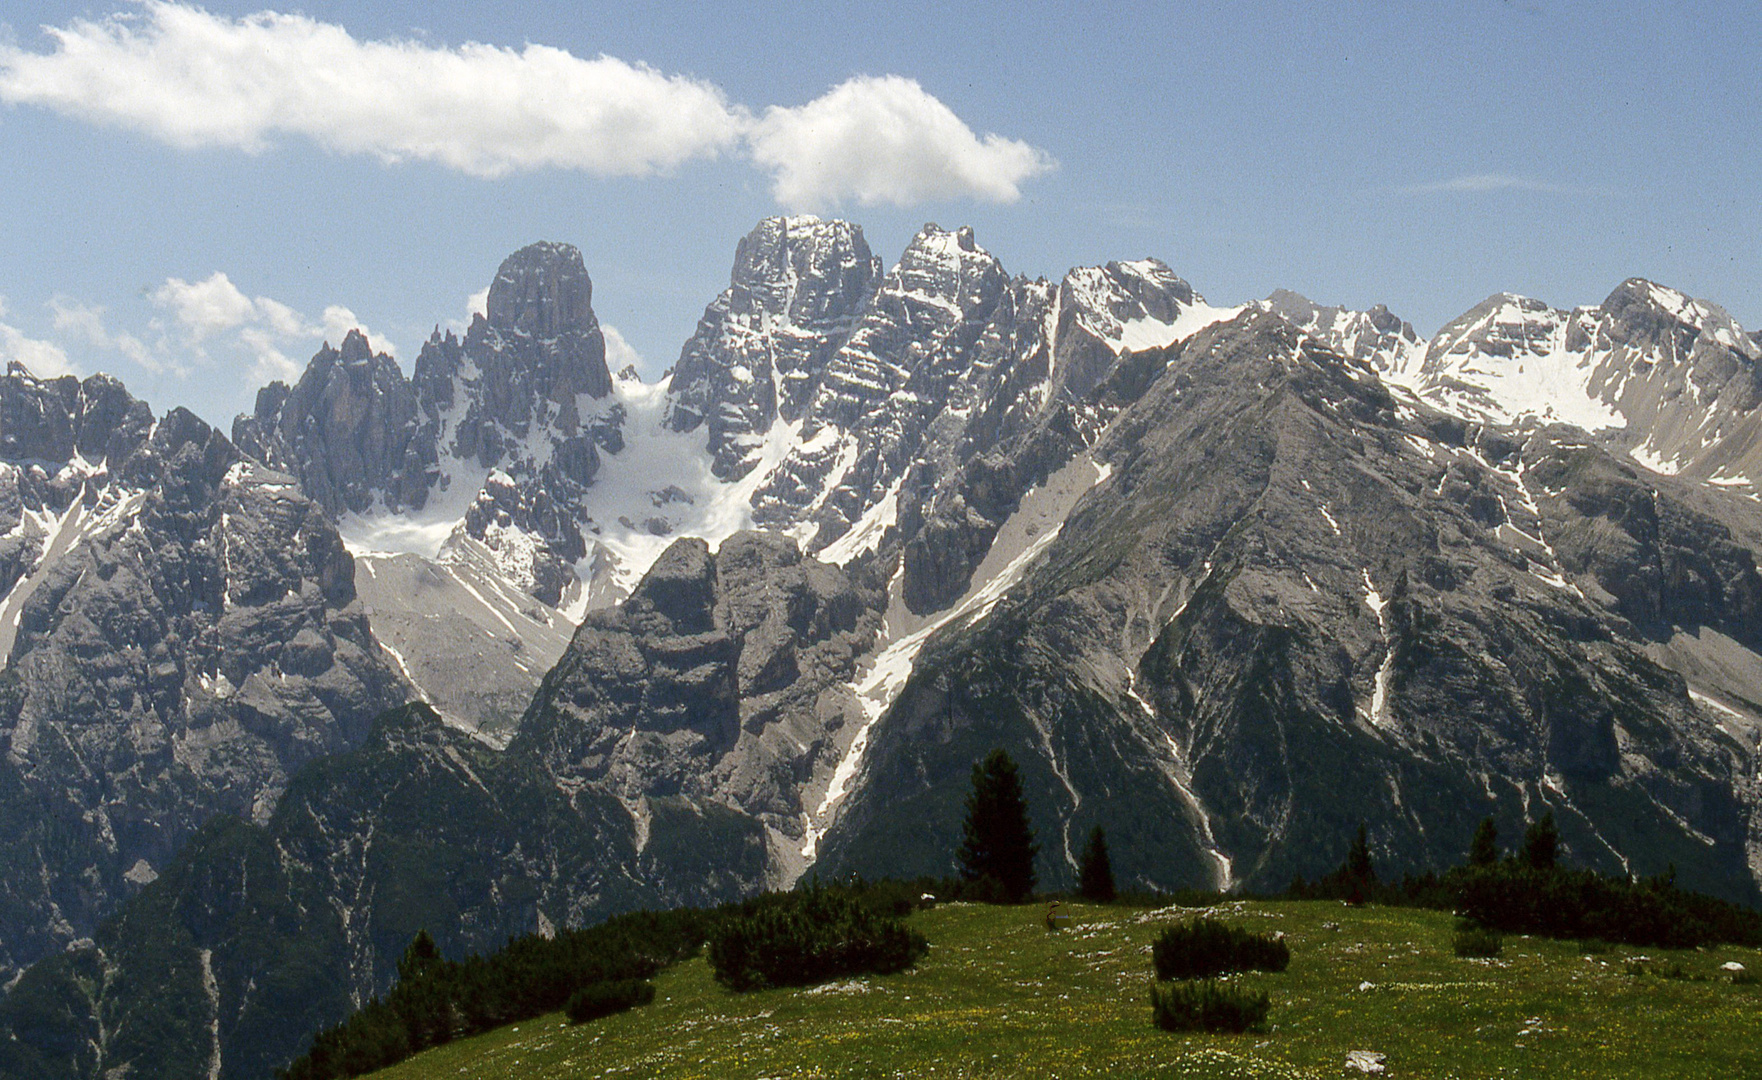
{"points": [[999, 996]]}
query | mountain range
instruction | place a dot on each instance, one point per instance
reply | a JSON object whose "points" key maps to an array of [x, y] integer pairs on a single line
{"points": [[516, 642]]}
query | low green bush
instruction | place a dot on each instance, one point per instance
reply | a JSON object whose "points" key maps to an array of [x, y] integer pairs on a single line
{"points": [[605, 998], [1479, 941], [808, 936], [1561, 903], [1207, 1005], [1205, 948]]}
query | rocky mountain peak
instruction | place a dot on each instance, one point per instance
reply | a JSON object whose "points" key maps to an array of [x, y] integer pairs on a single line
{"points": [[1377, 337], [541, 327], [347, 430], [542, 290], [797, 287], [940, 262], [1639, 311]]}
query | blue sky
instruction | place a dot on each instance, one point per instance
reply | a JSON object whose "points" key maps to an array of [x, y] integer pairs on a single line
{"points": [[341, 163]]}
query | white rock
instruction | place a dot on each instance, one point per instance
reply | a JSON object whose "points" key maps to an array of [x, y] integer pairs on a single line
{"points": [[1367, 1061], [1731, 965]]}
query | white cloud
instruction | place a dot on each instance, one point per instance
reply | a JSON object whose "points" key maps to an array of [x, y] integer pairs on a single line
{"points": [[214, 310], [1473, 183], [477, 304], [44, 359], [886, 140], [190, 78], [206, 307], [619, 353], [195, 79], [85, 322]]}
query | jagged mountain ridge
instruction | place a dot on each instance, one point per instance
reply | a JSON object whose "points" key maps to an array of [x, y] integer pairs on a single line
{"points": [[1670, 379], [1144, 542], [818, 397], [181, 634]]}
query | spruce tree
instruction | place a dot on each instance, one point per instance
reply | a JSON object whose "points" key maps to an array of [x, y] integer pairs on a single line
{"points": [[1541, 843], [1095, 875], [997, 842], [1483, 850], [1358, 864]]}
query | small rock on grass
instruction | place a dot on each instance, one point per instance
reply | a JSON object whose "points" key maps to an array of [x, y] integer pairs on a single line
{"points": [[1367, 1061]]}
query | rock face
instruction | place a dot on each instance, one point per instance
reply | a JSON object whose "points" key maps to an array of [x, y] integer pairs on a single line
{"points": [[181, 634], [1297, 604], [762, 347], [724, 679], [503, 429], [1670, 379], [347, 431], [660, 765], [257, 935]]}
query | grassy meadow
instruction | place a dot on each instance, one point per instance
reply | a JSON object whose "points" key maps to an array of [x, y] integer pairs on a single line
{"points": [[999, 996]]}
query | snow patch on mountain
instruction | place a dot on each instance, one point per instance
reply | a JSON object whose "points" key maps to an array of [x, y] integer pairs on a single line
{"points": [[1513, 359], [1022, 538]]}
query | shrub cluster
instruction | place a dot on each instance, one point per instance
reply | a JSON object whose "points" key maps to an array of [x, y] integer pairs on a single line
{"points": [[1553, 902], [605, 998], [1478, 941], [436, 1000], [1207, 1006], [1205, 948], [808, 936]]}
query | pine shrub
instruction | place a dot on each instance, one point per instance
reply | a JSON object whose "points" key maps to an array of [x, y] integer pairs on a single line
{"points": [[1207, 1005], [1517, 897], [1205, 948], [808, 936], [436, 1000], [1478, 941], [605, 998]]}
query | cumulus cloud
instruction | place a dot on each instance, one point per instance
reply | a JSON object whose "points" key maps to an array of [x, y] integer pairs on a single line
{"points": [[216, 312], [44, 359], [190, 78], [205, 308], [886, 140], [195, 79]]}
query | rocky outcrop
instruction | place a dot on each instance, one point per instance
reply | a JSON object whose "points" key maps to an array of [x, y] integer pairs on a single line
{"points": [[514, 413], [347, 431], [725, 679], [181, 634], [762, 347]]}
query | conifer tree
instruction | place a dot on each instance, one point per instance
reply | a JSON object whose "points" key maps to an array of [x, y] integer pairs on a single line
{"points": [[1095, 873], [1483, 850], [1541, 843], [1358, 864], [997, 842]]}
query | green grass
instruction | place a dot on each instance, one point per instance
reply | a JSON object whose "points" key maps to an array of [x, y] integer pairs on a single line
{"points": [[999, 996]]}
